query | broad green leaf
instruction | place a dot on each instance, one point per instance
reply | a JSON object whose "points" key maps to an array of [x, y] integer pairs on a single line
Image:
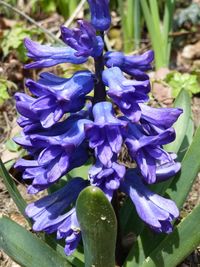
{"points": [[140, 250], [176, 246], [27, 249], [129, 220], [98, 226], [183, 182], [76, 259], [182, 101], [12, 188], [187, 140]]}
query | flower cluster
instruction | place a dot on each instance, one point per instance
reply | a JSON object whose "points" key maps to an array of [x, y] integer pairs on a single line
{"points": [[64, 127]]}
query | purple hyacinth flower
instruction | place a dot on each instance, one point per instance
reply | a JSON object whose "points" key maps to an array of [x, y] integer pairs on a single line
{"points": [[134, 65], [33, 129], [104, 133], [30, 121], [29, 125], [46, 56], [158, 212], [156, 120], [70, 230], [55, 155], [39, 174], [83, 40], [126, 94], [57, 96], [100, 14], [32, 171], [25, 141], [166, 169], [108, 179], [49, 213], [29, 118], [60, 149], [147, 150]]}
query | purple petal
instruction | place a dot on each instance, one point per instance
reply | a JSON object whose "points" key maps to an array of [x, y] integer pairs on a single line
{"points": [[47, 56]]}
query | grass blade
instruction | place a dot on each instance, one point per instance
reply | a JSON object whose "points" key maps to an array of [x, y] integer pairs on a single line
{"points": [[167, 26], [12, 188], [183, 182]]}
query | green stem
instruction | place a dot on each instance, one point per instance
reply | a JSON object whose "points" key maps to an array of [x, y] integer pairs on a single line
{"points": [[137, 24], [153, 22], [167, 26]]}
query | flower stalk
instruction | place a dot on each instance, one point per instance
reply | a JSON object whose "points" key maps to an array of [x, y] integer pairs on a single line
{"points": [[99, 88]]}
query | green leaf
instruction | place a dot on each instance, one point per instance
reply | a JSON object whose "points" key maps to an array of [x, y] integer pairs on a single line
{"points": [[81, 171], [158, 29], [48, 6], [13, 39], [139, 251], [27, 249], [76, 259], [3, 93], [4, 86], [98, 226], [129, 219], [12, 188], [182, 101], [179, 81], [183, 182], [176, 246], [187, 140]]}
